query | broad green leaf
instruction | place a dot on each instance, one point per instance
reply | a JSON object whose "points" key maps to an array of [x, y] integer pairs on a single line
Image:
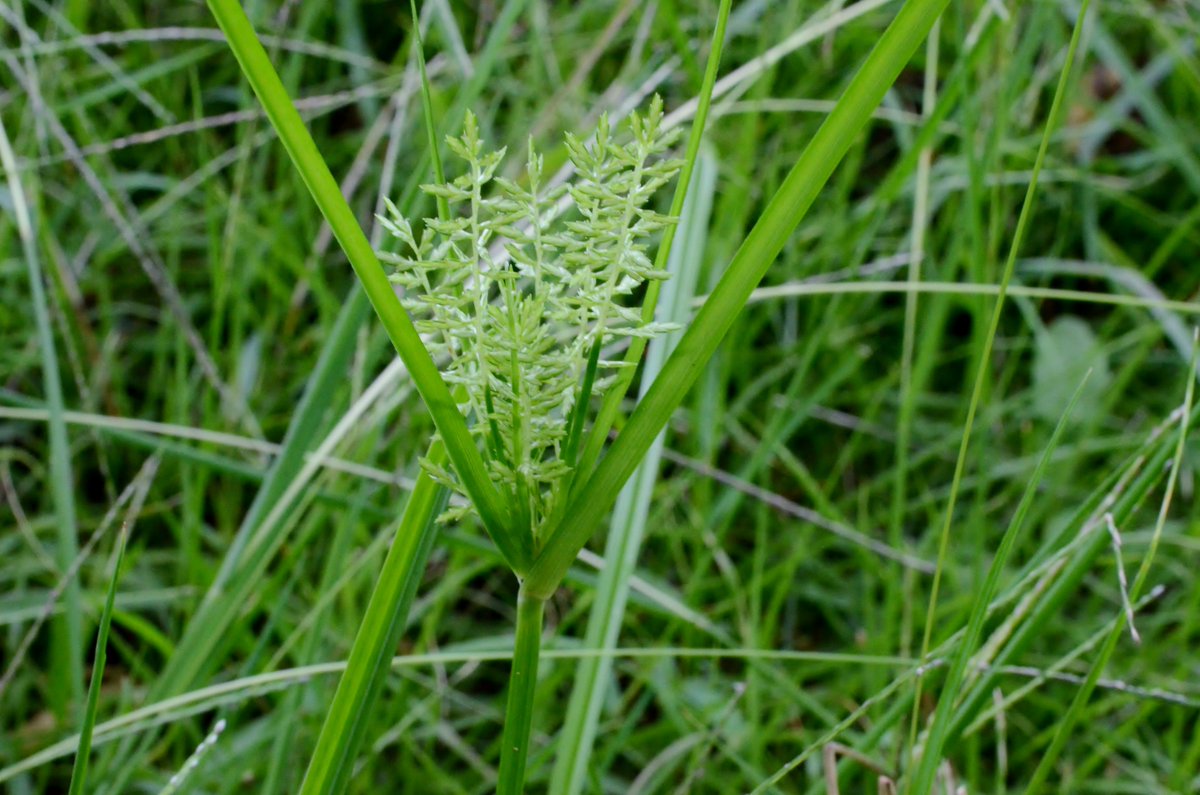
{"points": [[1066, 352]]}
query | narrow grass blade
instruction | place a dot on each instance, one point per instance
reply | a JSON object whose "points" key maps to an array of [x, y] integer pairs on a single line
{"points": [[1065, 727], [439, 174], [612, 399], [302, 430], [223, 603], [194, 651], [629, 517], [460, 446], [1069, 556], [522, 688], [940, 727], [66, 656], [928, 763], [751, 262], [813, 288], [387, 612], [79, 771]]}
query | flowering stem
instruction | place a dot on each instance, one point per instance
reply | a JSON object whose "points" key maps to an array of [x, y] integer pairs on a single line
{"points": [[522, 684]]}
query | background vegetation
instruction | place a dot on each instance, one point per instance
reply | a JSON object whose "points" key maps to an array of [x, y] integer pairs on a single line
{"points": [[193, 360]]}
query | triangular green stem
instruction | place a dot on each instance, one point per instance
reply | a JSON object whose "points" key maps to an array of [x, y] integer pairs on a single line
{"points": [[522, 686]]}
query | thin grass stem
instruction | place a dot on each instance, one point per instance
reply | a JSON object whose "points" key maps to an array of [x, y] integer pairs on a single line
{"points": [[928, 763], [66, 653], [611, 404], [1066, 726], [78, 784]]}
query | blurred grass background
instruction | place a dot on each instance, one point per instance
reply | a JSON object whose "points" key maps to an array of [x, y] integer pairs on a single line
{"points": [[191, 299]]}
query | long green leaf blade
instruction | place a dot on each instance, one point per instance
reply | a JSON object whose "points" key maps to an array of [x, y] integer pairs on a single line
{"points": [[629, 517], [222, 603], [1065, 727], [940, 727], [387, 613], [460, 446], [747, 269], [79, 771], [67, 637]]}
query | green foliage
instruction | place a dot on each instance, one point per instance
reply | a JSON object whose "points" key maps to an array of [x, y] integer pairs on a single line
{"points": [[274, 590], [1065, 353], [514, 292], [79, 773]]}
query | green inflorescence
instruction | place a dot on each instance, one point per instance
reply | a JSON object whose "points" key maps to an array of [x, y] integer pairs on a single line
{"points": [[523, 286]]}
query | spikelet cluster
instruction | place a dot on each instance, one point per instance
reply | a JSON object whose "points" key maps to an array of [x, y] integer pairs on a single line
{"points": [[513, 293]]}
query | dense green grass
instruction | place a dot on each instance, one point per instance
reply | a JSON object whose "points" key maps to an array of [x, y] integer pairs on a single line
{"points": [[763, 590]]}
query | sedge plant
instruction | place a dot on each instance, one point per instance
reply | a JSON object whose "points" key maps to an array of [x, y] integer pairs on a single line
{"points": [[524, 312], [520, 299]]}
